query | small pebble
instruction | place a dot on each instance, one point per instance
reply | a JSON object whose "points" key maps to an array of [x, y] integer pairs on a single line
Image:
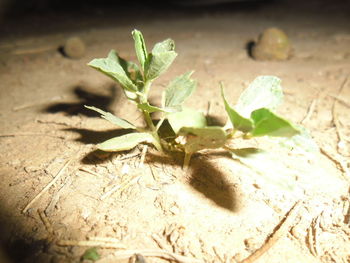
{"points": [[273, 44], [74, 48]]}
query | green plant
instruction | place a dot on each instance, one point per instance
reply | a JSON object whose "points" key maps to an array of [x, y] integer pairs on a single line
{"points": [[253, 115]]}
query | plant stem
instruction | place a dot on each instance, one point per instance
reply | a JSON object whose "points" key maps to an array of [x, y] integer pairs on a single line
{"points": [[146, 89], [153, 130], [187, 160], [142, 98], [149, 121]]}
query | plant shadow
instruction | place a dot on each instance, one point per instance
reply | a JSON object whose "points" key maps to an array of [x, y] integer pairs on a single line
{"points": [[205, 177], [86, 97], [249, 48], [213, 184], [95, 137]]}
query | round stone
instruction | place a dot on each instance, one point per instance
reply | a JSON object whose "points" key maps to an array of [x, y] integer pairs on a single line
{"points": [[273, 44], [74, 48]]}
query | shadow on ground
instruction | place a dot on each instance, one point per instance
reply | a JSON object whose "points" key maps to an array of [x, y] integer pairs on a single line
{"points": [[95, 137], [204, 177], [86, 97], [207, 179]]}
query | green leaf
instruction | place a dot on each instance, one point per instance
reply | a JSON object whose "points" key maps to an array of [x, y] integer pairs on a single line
{"points": [[164, 46], [268, 123], [186, 118], [125, 142], [112, 118], [140, 47], [302, 142], [91, 254], [160, 59], [240, 123], [150, 108], [132, 70], [196, 139], [179, 90], [263, 92], [266, 164], [111, 67]]}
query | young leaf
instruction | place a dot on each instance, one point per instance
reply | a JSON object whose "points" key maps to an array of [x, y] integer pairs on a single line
{"points": [[239, 123], [196, 139], [112, 118], [111, 67], [140, 48], [160, 59], [186, 118], [131, 69], [164, 46], [91, 254], [268, 123], [150, 108], [179, 90], [125, 142], [263, 92]]}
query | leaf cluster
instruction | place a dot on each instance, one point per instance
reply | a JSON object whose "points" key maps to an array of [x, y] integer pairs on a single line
{"points": [[253, 115]]}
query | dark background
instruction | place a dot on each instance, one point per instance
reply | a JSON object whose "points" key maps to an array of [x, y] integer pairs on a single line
{"points": [[31, 17]]}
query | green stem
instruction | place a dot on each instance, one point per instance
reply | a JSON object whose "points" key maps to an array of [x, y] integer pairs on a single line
{"points": [[157, 143], [142, 98], [149, 121], [187, 160], [146, 89], [153, 130]]}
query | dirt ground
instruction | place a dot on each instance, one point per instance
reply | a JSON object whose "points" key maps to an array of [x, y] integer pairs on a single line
{"points": [[220, 210]]}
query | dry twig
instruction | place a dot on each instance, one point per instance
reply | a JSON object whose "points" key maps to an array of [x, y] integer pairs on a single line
{"points": [[341, 140], [159, 241], [120, 187], [89, 171], [143, 156], [31, 134], [310, 240], [281, 231], [310, 111], [152, 253], [105, 239], [342, 101], [46, 222], [37, 103], [340, 164], [218, 254], [58, 176], [312, 236], [90, 243], [316, 226], [154, 174], [34, 50]]}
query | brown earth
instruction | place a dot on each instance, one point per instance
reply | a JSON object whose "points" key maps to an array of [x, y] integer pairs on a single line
{"points": [[220, 210]]}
